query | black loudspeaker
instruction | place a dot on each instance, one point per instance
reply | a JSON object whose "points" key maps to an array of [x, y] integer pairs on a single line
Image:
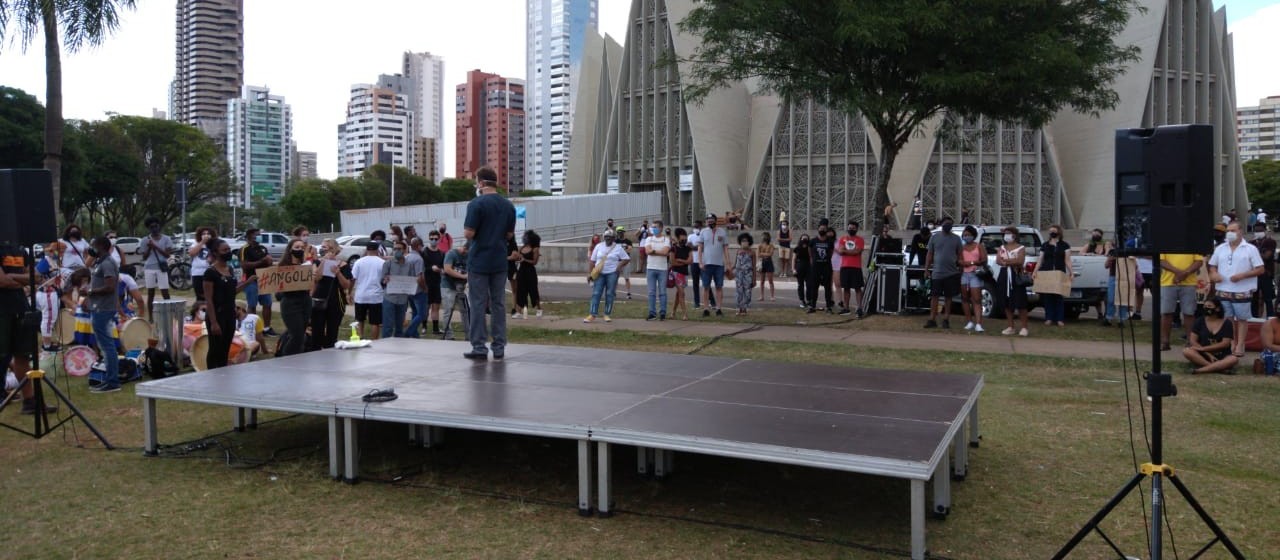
{"points": [[1165, 189], [26, 207]]}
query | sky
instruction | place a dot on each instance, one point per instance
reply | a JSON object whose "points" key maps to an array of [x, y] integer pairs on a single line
{"points": [[311, 54]]}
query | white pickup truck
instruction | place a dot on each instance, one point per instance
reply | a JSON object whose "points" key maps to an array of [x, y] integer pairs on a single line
{"points": [[1088, 285]]}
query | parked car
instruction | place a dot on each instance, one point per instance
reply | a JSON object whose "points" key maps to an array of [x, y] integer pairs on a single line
{"points": [[275, 242], [351, 247], [129, 247]]}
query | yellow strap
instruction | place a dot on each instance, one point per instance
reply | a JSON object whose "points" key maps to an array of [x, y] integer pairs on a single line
{"points": [[36, 374], [1149, 469]]}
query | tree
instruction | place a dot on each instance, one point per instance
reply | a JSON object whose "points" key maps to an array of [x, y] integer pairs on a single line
{"points": [[1262, 181], [116, 173], [83, 23], [899, 64], [21, 116], [170, 151], [532, 193], [310, 205], [458, 190]]}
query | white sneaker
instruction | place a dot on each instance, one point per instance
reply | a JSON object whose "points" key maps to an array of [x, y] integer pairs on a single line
{"points": [[1023, 332], [515, 314], [524, 314], [1007, 331], [978, 328], [968, 326], [539, 313]]}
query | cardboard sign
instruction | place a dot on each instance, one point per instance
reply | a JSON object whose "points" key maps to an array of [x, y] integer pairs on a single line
{"points": [[1126, 281], [1052, 282], [278, 279], [402, 285]]}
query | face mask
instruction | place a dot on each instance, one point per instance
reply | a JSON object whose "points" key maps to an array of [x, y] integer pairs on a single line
{"points": [[433, 243], [967, 238], [608, 241], [200, 315], [113, 241], [929, 227], [74, 234], [154, 229], [1232, 236], [399, 255], [297, 253], [1096, 238], [478, 193], [226, 257], [1259, 234], [655, 231], [442, 229], [784, 228], [1008, 238], [852, 231]]}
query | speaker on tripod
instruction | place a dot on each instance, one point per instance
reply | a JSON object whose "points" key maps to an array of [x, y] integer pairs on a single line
{"points": [[26, 207]]}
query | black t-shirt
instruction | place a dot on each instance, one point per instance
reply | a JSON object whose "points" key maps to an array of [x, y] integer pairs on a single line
{"points": [[823, 248], [682, 251], [433, 258], [511, 248], [1268, 264], [223, 297], [14, 261], [919, 246], [1053, 255], [250, 254], [1207, 338], [802, 257]]}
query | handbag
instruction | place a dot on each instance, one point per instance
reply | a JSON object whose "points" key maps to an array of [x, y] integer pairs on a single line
{"points": [[671, 278], [322, 304], [164, 264]]}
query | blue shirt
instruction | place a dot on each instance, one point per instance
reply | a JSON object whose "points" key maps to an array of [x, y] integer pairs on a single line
{"points": [[491, 217]]}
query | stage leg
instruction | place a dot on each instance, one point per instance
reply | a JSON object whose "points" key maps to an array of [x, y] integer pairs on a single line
{"points": [[584, 478], [942, 487], [917, 520], [604, 475], [644, 458], [415, 436], [435, 436], [253, 419], [974, 434], [351, 451], [335, 448], [151, 444], [237, 419], [663, 461], [960, 468]]}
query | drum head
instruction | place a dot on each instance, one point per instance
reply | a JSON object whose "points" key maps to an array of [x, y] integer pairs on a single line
{"points": [[66, 326], [199, 352], [78, 360], [134, 333], [238, 353]]}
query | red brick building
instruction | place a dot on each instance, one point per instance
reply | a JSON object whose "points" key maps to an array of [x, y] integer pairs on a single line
{"points": [[491, 126]]}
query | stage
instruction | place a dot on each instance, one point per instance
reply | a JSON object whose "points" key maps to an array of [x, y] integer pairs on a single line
{"points": [[907, 425]]}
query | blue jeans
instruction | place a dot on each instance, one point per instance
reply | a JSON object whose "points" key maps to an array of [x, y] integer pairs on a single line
{"points": [[485, 293], [695, 272], [1055, 309], [393, 318], [1111, 302], [103, 321], [606, 285], [419, 302], [252, 299], [657, 282]]}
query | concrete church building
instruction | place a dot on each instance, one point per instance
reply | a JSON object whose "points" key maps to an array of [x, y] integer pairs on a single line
{"points": [[743, 151]]}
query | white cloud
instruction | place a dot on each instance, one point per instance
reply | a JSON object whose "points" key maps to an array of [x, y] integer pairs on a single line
{"points": [[1257, 46]]}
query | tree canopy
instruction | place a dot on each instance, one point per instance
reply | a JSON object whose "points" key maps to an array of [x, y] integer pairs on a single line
{"points": [[899, 64], [1262, 181]]}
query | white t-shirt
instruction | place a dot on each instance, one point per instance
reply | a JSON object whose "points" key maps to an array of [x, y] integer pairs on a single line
{"points": [[1262, 217], [612, 255], [129, 283], [200, 262], [249, 328], [367, 273], [74, 256], [655, 243], [1230, 262], [694, 240]]}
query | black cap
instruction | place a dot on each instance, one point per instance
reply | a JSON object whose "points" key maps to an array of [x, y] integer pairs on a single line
{"points": [[824, 222], [373, 246]]}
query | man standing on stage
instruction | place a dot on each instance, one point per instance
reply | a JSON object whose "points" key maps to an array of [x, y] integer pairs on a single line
{"points": [[490, 221]]}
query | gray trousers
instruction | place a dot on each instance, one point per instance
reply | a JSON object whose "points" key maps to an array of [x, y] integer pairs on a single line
{"points": [[486, 292]]}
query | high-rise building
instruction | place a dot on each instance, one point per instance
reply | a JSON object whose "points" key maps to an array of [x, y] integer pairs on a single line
{"points": [[491, 127], [421, 81], [259, 145], [379, 129], [1258, 127], [741, 149], [424, 156], [210, 63], [305, 166], [554, 39]]}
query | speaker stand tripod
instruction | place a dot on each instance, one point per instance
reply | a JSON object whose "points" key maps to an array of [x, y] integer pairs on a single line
{"points": [[1159, 386], [35, 378]]}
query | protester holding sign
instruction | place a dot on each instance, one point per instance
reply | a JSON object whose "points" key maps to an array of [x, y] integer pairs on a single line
{"points": [[295, 303], [402, 277]]}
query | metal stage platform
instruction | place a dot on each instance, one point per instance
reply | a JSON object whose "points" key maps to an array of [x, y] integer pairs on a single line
{"points": [[889, 423]]}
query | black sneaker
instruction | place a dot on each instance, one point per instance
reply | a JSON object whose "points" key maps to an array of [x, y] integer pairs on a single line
{"points": [[498, 356], [104, 388], [946, 323], [930, 324], [476, 355], [1135, 317], [860, 314], [662, 316], [706, 312], [844, 311], [719, 313], [830, 311], [651, 317], [810, 310]]}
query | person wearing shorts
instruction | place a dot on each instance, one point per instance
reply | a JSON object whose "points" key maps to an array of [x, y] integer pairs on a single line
{"points": [[252, 257], [972, 256], [943, 260], [367, 274], [850, 248], [156, 248], [1234, 268], [1178, 274]]}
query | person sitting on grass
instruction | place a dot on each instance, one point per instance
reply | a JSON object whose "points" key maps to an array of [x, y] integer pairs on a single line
{"points": [[1209, 345], [1268, 361]]}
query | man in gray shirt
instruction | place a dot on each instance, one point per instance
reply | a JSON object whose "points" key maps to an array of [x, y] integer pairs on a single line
{"points": [[103, 303], [943, 261], [713, 250], [394, 305], [155, 250]]}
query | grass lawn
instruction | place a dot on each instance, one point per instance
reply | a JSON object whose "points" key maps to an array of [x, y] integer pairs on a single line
{"points": [[1055, 448]]}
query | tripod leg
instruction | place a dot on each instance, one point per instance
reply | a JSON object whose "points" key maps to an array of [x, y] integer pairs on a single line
{"points": [[1098, 517], [1204, 516], [76, 411]]}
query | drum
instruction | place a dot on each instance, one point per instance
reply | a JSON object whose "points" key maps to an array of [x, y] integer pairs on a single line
{"points": [[134, 333], [238, 353], [78, 360], [66, 326]]}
